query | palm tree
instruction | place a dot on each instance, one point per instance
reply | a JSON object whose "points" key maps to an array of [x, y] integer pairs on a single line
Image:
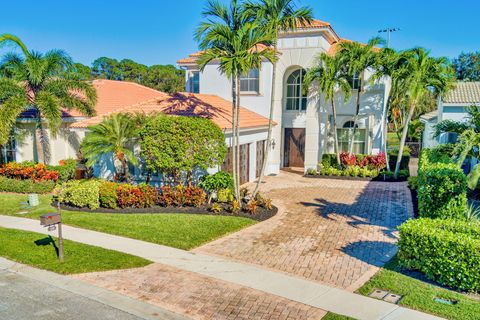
{"points": [[421, 75], [329, 77], [358, 58], [112, 137], [42, 82], [275, 16], [230, 37]]}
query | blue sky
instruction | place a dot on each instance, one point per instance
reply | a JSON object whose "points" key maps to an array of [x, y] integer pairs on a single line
{"points": [[160, 31]]}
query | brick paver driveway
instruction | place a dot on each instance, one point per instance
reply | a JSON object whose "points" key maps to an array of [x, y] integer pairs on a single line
{"points": [[333, 231]]}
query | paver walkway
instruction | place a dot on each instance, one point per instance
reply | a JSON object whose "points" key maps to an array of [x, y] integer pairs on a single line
{"points": [[293, 288], [332, 231]]}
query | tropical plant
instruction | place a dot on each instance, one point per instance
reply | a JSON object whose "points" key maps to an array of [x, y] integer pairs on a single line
{"points": [[230, 37], [421, 75], [45, 83], [275, 16], [358, 58], [113, 137], [472, 213], [329, 77], [467, 66]]}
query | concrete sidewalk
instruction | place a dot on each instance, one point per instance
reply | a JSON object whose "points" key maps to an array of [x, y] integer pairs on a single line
{"points": [[293, 288], [30, 293]]}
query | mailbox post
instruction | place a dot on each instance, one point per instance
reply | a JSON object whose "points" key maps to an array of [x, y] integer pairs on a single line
{"points": [[53, 221]]}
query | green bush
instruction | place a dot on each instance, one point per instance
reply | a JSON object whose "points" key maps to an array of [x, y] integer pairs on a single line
{"points": [[25, 186], [217, 181], [80, 193], [329, 161], [108, 194], [225, 195], [413, 183], [441, 153], [66, 169], [393, 155], [447, 251], [442, 189]]}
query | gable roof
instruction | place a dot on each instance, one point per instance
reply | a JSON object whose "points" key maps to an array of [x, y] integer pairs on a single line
{"points": [[464, 93], [188, 104]]}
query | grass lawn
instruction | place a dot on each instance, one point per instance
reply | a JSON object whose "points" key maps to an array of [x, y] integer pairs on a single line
{"points": [[20, 246], [183, 231], [334, 316], [392, 140], [420, 295]]}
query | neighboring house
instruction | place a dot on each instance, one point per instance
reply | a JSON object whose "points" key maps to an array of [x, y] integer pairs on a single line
{"points": [[451, 107], [120, 96], [304, 122]]}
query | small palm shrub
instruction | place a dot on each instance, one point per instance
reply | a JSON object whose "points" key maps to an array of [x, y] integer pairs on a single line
{"points": [[252, 206], [215, 208], [235, 207]]}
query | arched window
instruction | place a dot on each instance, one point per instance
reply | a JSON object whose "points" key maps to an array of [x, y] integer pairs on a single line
{"points": [[349, 124], [296, 98]]}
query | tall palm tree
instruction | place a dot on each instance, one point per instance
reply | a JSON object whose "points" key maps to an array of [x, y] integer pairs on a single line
{"points": [[421, 75], [275, 16], [42, 82], [230, 37], [358, 58], [388, 64], [329, 78], [113, 137]]}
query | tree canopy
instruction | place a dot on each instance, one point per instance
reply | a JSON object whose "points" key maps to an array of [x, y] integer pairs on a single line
{"points": [[467, 66], [171, 144]]}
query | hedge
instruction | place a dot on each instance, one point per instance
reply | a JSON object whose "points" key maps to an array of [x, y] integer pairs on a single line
{"points": [[447, 251], [80, 193], [25, 186], [442, 189]]}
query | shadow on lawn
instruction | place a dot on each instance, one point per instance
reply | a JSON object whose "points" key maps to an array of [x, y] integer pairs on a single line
{"points": [[46, 242]]}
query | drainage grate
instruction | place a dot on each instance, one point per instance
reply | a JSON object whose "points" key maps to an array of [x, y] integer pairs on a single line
{"points": [[445, 301], [385, 296]]}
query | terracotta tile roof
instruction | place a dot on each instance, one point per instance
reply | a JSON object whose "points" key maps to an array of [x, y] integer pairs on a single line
{"points": [[464, 93], [314, 24], [112, 95], [189, 104]]}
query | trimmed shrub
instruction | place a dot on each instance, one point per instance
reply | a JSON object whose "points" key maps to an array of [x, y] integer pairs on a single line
{"points": [[141, 196], [329, 161], [65, 169], [447, 251], [393, 155], [225, 195], [172, 196], [442, 189], [217, 181], [194, 196], [80, 193], [108, 194], [25, 186]]}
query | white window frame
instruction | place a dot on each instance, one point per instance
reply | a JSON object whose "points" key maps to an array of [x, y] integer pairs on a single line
{"points": [[249, 78], [300, 102]]}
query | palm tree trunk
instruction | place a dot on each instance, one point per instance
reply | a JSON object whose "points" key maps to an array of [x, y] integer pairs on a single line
{"points": [[404, 138], [385, 130], [234, 151], [270, 125], [39, 140], [237, 136], [335, 135]]}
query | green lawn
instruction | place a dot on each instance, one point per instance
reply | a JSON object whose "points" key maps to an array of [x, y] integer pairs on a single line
{"points": [[334, 316], [184, 231], [392, 140], [20, 246], [420, 295]]}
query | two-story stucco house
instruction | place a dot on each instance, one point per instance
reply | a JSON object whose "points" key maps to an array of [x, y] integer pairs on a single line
{"points": [[303, 130]]}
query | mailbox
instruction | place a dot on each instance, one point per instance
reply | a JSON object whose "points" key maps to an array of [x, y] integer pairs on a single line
{"points": [[49, 219]]}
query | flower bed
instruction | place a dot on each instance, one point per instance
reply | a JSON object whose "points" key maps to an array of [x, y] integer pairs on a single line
{"points": [[112, 197]]}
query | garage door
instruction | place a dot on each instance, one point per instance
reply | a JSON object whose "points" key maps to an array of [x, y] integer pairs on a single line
{"points": [[244, 162]]}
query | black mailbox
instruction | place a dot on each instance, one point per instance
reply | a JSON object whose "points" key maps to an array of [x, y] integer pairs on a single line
{"points": [[50, 219]]}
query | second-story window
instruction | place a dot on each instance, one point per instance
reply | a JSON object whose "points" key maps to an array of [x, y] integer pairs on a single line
{"points": [[250, 83], [195, 82], [356, 81], [296, 95]]}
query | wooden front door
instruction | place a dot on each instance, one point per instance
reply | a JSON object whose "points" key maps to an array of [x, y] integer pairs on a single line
{"points": [[294, 154]]}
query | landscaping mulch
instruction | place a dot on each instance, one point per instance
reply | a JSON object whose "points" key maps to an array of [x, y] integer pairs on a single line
{"points": [[262, 214], [379, 178]]}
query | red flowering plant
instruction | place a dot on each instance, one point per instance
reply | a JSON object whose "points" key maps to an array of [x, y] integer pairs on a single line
{"points": [[28, 171], [376, 162], [348, 159], [142, 196]]}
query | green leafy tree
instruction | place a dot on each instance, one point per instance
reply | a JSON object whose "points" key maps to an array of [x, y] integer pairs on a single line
{"points": [[230, 37], [114, 137], [467, 66], [421, 75], [329, 78], [43, 82], [358, 58], [275, 16], [84, 72], [106, 68], [172, 145], [130, 70], [165, 78]]}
